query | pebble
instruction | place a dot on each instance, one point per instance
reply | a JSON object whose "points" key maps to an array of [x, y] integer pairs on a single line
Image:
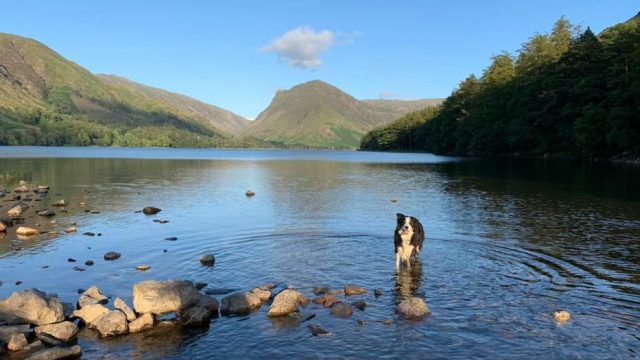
{"points": [[89, 262], [143, 267], [316, 330], [88, 233], [173, 238], [112, 255], [249, 193], [562, 316], [208, 260], [71, 260], [150, 210]]}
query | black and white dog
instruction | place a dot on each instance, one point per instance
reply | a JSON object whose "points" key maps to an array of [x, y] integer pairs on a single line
{"points": [[409, 236]]}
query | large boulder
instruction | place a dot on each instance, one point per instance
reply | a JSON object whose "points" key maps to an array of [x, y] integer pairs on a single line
{"points": [[240, 303], [90, 313], [111, 323], [285, 302], [31, 306], [56, 353], [65, 331], [143, 322], [160, 297], [413, 308]]}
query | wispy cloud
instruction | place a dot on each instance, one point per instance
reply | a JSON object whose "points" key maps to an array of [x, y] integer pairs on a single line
{"points": [[302, 46]]}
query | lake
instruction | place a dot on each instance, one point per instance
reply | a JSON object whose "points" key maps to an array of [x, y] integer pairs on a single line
{"points": [[508, 243]]}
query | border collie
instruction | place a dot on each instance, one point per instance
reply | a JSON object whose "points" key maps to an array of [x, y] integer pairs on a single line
{"points": [[409, 236]]}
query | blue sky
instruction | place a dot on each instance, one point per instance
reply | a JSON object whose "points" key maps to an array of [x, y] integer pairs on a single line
{"points": [[236, 54]]}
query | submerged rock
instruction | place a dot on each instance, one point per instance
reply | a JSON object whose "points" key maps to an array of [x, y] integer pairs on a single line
{"points": [[65, 331], [150, 210], [160, 297], [56, 353], [413, 308], [31, 306], [354, 290], [143, 322], [208, 260], [377, 292], [112, 255], [316, 330], [341, 309], [359, 304], [240, 303], [285, 302]]}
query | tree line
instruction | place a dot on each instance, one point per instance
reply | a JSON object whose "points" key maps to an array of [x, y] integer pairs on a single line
{"points": [[566, 93]]}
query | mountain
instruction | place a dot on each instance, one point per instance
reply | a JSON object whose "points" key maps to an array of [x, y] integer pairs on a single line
{"points": [[181, 104], [46, 99], [321, 115]]}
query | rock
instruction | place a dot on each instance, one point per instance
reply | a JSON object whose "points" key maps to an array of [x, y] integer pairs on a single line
{"points": [[33, 347], [31, 306], [17, 342], [89, 313], [27, 231], [150, 210], [84, 300], [387, 321], [21, 188], [173, 238], [70, 229], [249, 193], [195, 316], [126, 310], [321, 290], [112, 255], [89, 233], [208, 260], [264, 295], [359, 304], [3, 227], [354, 290], [65, 331], [59, 203], [200, 285], [413, 308], [15, 211], [267, 286], [143, 322], [329, 300], [56, 353], [79, 268], [316, 330], [143, 267], [240, 303], [7, 331], [111, 323], [341, 309], [377, 292], [561, 316], [95, 293], [71, 260], [285, 302], [89, 262], [161, 221], [361, 322], [43, 187], [160, 297], [46, 213]]}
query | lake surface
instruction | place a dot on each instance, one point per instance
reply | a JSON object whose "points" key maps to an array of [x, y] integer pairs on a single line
{"points": [[508, 243]]}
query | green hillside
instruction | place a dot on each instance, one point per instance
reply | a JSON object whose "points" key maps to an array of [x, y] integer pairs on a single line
{"points": [[321, 115]]}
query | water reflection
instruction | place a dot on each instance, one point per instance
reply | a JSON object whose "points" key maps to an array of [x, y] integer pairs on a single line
{"points": [[409, 282]]}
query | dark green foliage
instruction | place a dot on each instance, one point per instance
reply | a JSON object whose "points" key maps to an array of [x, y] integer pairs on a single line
{"points": [[567, 93]]}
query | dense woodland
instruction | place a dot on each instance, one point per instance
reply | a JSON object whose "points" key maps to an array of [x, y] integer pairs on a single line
{"points": [[567, 93]]}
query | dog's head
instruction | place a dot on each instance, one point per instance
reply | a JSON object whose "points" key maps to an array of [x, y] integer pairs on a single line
{"points": [[408, 225]]}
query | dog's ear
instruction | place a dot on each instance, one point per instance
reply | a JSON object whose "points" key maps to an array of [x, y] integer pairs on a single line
{"points": [[418, 231], [400, 216]]}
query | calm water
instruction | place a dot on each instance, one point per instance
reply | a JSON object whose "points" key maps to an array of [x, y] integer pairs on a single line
{"points": [[508, 243]]}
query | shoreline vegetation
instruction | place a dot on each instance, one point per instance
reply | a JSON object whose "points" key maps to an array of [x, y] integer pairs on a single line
{"points": [[566, 94]]}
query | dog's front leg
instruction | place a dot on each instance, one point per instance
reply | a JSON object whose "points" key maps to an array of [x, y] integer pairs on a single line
{"points": [[397, 260]]}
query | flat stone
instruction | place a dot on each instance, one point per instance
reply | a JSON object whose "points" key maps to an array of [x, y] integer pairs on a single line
{"points": [[112, 255], [413, 308], [111, 323], [126, 310], [15, 211], [240, 303], [354, 290], [17, 342], [65, 331], [46, 213], [31, 306], [143, 267], [142, 323], [21, 188], [57, 353], [27, 231], [160, 297], [59, 203], [89, 313], [150, 210], [285, 302]]}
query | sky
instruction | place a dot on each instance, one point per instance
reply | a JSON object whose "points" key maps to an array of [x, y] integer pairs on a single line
{"points": [[236, 54]]}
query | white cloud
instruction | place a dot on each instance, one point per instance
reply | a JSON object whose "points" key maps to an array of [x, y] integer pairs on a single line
{"points": [[302, 46]]}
